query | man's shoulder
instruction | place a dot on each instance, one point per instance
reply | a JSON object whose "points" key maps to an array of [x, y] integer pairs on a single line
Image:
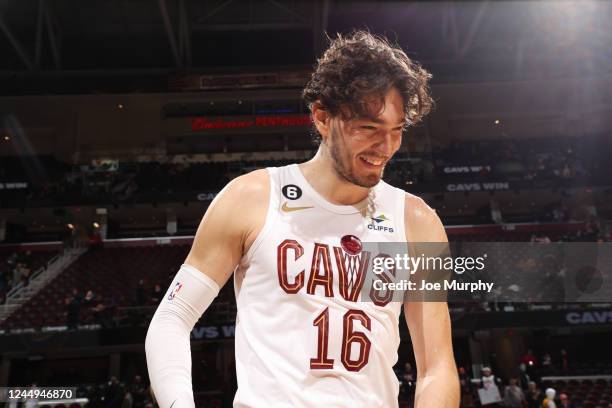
{"points": [[255, 184], [422, 222], [416, 207]]}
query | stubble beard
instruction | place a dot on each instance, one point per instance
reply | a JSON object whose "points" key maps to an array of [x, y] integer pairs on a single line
{"points": [[343, 168]]}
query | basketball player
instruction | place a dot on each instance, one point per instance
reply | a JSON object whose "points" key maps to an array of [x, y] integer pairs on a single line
{"points": [[303, 336]]}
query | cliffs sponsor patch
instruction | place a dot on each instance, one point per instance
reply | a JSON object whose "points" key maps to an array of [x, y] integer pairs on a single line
{"points": [[380, 223]]}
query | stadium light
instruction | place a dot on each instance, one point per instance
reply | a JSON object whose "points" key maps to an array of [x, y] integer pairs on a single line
{"points": [[96, 225]]}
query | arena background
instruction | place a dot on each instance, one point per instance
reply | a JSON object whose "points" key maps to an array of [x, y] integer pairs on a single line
{"points": [[121, 120]]}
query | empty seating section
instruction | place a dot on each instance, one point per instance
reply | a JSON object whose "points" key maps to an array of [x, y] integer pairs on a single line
{"points": [[112, 274]]}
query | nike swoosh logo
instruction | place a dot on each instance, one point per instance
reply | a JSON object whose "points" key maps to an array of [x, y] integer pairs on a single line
{"points": [[172, 404], [286, 208]]}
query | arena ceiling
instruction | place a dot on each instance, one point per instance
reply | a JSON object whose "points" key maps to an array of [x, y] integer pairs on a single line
{"points": [[100, 45]]}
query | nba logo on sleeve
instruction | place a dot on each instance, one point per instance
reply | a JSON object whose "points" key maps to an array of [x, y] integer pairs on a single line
{"points": [[176, 289]]}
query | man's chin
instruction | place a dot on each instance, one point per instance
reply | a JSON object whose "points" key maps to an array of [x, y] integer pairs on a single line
{"points": [[368, 181]]}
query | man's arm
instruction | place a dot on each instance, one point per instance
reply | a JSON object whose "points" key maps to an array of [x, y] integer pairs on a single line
{"points": [[229, 226], [429, 322]]}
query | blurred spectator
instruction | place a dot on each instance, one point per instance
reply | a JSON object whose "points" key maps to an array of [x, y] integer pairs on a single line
{"points": [[533, 396], [104, 311], [31, 402], [564, 401], [113, 396], [488, 380], [141, 293], [88, 300], [138, 391], [524, 378], [73, 309], [487, 377], [591, 228], [513, 395], [529, 359], [546, 366], [11, 261], [25, 257], [552, 285], [99, 311], [128, 401], [564, 363], [467, 399], [549, 401], [464, 378], [25, 273], [407, 381], [560, 213], [171, 274], [16, 279], [95, 240], [565, 171], [156, 295], [77, 295], [408, 376]]}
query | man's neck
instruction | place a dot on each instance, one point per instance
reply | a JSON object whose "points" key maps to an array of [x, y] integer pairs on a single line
{"points": [[323, 177]]}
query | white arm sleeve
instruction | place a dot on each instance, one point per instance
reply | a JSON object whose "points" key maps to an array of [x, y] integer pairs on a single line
{"points": [[168, 339]]}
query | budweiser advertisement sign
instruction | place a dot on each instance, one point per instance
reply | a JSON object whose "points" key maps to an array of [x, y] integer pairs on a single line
{"points": [[204, 123]]}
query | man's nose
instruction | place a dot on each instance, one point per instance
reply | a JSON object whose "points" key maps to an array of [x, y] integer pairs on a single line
{"points": [[385, 144]]}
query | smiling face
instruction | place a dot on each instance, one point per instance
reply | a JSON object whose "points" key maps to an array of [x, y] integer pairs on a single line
{"points": [[361, 147]]}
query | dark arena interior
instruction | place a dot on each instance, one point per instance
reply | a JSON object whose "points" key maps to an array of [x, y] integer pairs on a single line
{"points": [[120, 121]]}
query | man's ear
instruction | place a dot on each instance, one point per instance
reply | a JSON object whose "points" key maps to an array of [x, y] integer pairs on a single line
{"points": [[321, 119]]}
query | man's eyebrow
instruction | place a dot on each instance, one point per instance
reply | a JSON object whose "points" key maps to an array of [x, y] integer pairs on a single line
{"points": [[379, 121]]}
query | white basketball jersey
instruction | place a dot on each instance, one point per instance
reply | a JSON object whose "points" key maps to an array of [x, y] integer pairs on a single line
{"points": [[304, 337]]}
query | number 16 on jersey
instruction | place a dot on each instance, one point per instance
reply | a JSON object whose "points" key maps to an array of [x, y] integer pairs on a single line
{"points": [[349, 337]]}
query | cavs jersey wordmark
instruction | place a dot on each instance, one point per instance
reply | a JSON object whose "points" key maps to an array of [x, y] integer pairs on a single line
{"points": [[350, 270]]}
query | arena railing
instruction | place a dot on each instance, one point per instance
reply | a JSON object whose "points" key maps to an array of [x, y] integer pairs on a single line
{"points": [[21, 293], [40, 270]]}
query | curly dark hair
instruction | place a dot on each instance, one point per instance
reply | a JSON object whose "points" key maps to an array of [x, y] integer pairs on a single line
{"points": [[361, 64]]}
